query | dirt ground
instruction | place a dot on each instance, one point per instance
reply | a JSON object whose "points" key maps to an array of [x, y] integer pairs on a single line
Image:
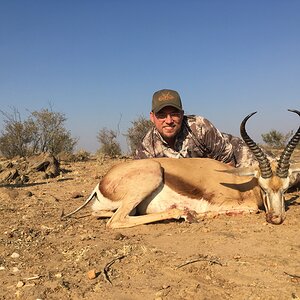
{"points": [[229, 257]]}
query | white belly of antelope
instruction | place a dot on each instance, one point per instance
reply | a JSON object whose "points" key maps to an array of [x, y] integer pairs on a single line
{"points": [[166, 198]]}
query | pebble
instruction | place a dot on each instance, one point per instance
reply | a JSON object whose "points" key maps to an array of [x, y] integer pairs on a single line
{"points": [[91, 274], [20, 284], [15, 255], [76, 195], [28, 194], [159, 295], [237, 257], [15, 269], [119, 236]]}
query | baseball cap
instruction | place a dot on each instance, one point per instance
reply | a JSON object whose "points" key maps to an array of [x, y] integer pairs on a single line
{"points": [[165, 97]]}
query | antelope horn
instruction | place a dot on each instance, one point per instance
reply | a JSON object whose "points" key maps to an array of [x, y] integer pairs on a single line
{"points": [[284, 160], [264, 164]]}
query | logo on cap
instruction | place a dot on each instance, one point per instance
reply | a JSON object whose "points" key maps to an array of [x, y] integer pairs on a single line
{"points": [[165, 96]]}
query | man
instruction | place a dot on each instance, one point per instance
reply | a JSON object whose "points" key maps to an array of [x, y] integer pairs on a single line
{"points": [[176, 135]]}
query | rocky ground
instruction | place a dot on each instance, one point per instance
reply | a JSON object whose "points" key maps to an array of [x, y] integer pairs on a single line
{"points": [[229, 257]]}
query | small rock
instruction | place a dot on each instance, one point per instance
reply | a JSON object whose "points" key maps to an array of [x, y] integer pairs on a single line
{"points": [[76, 195], [91, 274], [9, 165], [8, 176], [119, 236], [58, 275], [158, 295], [15, 255], [44, 176], [15, 269], [28, 194], [2, 268], [20, 284], [86, 237], [18, 294]]}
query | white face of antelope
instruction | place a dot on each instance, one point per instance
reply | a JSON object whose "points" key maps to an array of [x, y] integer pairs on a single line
{"points": [[273, 182], [273, 197]]}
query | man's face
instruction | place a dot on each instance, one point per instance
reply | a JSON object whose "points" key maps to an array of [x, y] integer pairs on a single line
{"points": [[167, 121]]}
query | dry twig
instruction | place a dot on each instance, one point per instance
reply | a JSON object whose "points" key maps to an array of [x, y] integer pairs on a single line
{"points": [[211, 261], [108, 265], [33, 278], [292, 275]]}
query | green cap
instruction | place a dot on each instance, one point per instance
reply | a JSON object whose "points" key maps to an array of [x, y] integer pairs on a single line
{"points": [[165, 98]]}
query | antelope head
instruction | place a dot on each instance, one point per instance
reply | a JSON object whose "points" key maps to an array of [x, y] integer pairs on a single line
{"points": [[273, 181]]}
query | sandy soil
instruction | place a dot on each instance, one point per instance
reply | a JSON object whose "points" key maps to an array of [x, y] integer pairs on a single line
{"points": [[229, 257]]}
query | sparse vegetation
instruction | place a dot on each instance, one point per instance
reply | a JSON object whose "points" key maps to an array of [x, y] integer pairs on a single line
{"points": [[108, 142], [136, 132], [82, 155], [276, 139], [42, 131]]}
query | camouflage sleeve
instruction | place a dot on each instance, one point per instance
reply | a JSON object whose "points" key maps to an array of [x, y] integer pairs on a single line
{"points": [[142, 152], [243, 155], [145, 149], [218, 147]]}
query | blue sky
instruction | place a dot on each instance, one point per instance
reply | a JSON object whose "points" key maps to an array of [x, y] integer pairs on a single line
{"points": [[99, 62]]}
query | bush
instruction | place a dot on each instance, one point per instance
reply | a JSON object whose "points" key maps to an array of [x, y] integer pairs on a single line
{"points": [[52, 136], [108, 144], [137, 132], [42, 131], [276, 139], [17, 136], [82, 155]]}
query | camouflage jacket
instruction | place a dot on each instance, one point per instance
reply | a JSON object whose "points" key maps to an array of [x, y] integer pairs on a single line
{"points": [[198, 138]]}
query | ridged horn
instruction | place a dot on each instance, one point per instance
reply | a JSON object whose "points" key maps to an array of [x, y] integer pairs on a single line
{"points": [[264, 164], [284, 160]]}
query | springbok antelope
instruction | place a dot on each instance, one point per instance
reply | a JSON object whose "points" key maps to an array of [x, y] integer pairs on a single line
{"points": [[149, 190]]}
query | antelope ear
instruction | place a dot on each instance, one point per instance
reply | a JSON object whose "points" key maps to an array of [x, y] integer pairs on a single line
{"points": [[241, 171]]}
